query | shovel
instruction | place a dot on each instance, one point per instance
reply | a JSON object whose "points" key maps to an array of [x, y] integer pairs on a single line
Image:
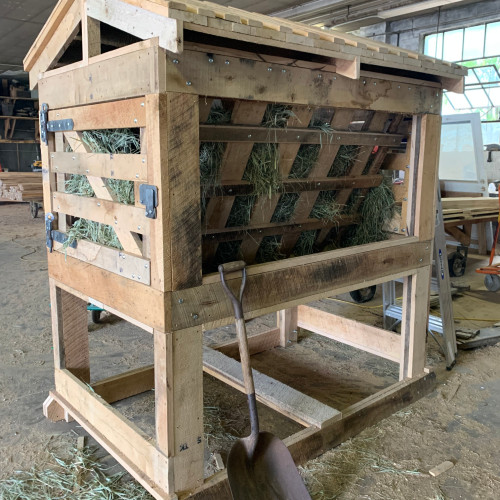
{"points": [[259, 467]]}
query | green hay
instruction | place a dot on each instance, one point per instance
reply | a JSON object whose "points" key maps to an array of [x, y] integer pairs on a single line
{"points": [[304, 161], [377, 210], [262, 169], [80, 477], [211, 153], [345, 158], [269, 249], [326, 208], [241, 211], [305, 243], [352, 204], [108, 141], [285, 207], [84, 229]]}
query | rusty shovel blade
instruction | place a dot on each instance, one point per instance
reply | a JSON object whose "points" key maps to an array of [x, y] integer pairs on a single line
{"points": [[264, 470]]}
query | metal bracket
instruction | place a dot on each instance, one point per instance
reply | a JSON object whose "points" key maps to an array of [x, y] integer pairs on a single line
{"points": [[52, 235], [60, 125], [148, 195], [44, 117]]}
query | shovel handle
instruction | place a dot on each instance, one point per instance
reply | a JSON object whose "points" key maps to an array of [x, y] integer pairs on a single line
{"points": [[239, 320]]}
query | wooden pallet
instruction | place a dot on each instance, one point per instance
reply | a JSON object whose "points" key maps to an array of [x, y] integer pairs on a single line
{"points": [[164, 87]]}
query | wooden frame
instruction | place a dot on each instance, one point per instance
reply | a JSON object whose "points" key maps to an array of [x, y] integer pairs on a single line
{"points": [[164, 87]]}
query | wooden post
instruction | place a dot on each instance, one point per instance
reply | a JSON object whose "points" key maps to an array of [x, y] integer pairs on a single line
{"points": [[179, 404], [287, 324], [421, 215], [70, 332], [91, 35]]}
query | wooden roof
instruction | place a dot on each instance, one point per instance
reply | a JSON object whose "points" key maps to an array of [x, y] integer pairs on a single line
{"points": [[148, 18]]}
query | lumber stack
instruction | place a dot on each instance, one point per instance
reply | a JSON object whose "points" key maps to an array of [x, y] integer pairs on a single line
{"points": [[473, 209], [21, 186]]}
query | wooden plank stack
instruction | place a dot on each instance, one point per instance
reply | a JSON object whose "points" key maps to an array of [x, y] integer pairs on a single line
{"points": [[474, 209], [21, 186]]}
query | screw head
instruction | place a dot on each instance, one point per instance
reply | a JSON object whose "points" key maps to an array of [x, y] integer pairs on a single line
{"points": [[269, 69], [180, 301], [188, 83], [175, 61], [283, 70], [226, 62], [195, 316], [210, 60]]}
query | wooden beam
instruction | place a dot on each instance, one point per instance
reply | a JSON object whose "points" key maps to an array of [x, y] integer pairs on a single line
{"points": [[234, 188], [282, 398], [141, 302], [365, 337], [245, 134], [70, 332], [125, 385], [115, 261], [104, 211], [258, 342], [136, 453], [240, 80], [134, 71], [179, 404], [287, 320], [309, 278], [139, 22], [128, 167], [125, 113]]}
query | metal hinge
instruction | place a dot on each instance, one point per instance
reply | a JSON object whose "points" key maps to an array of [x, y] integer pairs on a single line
{"points": [[52, 235], [148, 195], [53, 125]]}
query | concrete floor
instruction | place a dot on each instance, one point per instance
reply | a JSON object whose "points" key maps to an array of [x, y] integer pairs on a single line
{"points": [[459, 421]]}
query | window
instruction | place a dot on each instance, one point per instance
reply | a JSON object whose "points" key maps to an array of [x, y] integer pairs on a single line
{"points": [[477, 48]]}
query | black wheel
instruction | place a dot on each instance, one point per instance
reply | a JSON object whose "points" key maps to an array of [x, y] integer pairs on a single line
{"points": [[456, 264], [96, 316], [363, 294], [492, 282], [34, 207]]}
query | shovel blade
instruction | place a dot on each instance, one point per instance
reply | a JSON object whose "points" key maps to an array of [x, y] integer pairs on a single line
{"points": [[264, 471]]}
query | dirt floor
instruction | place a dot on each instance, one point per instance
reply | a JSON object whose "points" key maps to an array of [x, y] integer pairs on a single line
{"points": [[459, 421]]}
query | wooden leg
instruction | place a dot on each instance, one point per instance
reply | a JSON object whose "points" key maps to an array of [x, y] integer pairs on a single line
{"points": [[287, 324], [70, 332], [179, 403], [414, 323]]}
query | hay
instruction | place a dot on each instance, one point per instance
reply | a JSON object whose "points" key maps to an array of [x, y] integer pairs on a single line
{"points": [[344, 159], [80, 476], [331, 475], [211, 153], [110, 141], [326, 208], [305, 243], [376, 211], [269, 249], [285, 208], [307, 156], [241, 211], [83, 229], [220, 428]]}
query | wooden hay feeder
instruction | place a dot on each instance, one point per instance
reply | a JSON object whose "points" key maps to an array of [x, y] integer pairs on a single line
{"points": [[158, 68]]}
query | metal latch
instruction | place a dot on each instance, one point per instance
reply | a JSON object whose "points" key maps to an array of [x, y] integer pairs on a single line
{"points": [[148, 195], [52, 235], [53, 125]]}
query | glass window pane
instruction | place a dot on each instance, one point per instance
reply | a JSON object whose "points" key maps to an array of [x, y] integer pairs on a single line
{"points": [[447, 108], [494, 95], [473, 42], [453, 41], [430, 45], [439, 46], [486, 74], [457, 160], [492, 45], [459, 101], [477, 98], [471, 78]]}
